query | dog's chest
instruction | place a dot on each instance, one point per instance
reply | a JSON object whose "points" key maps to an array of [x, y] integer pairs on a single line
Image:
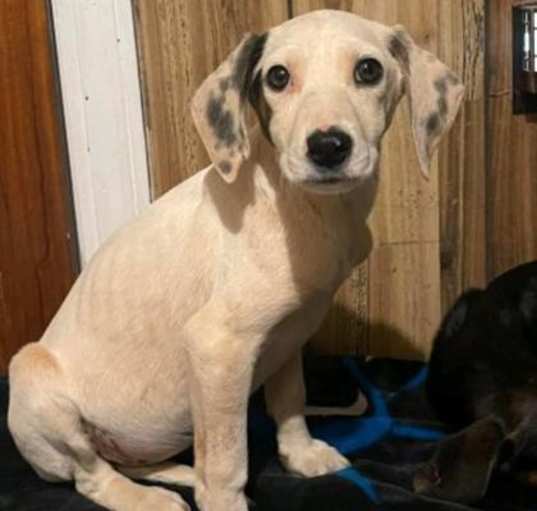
{"points": [[288, 336]]}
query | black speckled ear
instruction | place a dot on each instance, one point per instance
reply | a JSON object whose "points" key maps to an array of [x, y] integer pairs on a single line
{"points": [[434, 93], [218, 107]]}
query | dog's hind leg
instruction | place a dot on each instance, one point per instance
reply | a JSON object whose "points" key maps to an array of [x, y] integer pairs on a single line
{"points": [[48, 430], [166, 472]]}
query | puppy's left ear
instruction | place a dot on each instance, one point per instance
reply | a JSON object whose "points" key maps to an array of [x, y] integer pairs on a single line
{"points": [[218, 107], [462, 464], [433, 90]]}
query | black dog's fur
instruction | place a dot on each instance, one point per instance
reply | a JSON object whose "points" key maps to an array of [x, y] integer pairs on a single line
{"points": [[483, 379]]}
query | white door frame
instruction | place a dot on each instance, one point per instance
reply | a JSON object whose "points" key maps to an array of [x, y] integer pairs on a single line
{"points": [[102, 105]]}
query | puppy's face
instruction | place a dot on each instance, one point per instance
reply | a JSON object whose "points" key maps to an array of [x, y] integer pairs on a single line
{"points": [[325, 89], [325, 86]]}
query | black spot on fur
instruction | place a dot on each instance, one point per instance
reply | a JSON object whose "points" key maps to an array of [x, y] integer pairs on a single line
{"points": [[247, 60], [432, 124], [399, 50], [257, 99], [221, 121], [437, 119], [225, 166], [441, 86]]}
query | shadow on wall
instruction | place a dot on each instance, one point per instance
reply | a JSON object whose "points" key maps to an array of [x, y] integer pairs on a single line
{"points": [[345, 331]]}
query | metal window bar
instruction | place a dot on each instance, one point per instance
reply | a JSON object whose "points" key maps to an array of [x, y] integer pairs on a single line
{"points": [[525, 58], [534, 39], [529, 63]]}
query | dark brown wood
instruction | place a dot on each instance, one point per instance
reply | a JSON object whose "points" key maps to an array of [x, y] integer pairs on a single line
{"points": [[511, 185], [37, 252]]}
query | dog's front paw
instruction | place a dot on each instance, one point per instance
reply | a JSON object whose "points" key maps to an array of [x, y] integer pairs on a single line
{"points": [[220, 500], [314, 459], [161, 499]]}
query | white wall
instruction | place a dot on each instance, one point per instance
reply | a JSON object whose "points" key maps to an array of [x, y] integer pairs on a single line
{"points": [[103, 115]]}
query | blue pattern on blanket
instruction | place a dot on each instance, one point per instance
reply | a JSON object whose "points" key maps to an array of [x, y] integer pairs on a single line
{"points": [[354, 435]]}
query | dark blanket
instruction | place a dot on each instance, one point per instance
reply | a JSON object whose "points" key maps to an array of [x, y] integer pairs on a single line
{"points": [[386, 446]]}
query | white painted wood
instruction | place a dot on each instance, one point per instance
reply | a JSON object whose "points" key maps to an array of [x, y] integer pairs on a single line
{"points": [[103, 115]]}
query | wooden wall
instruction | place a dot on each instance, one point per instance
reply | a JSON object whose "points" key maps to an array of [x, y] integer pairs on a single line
{"points": [[511, 187], [429, 236], [37, 252]]}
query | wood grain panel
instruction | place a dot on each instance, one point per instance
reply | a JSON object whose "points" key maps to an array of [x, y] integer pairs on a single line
{"points": [[37, 263], [180, 43], [512, 155], [346, 326], [404, 300], [462, 155]]}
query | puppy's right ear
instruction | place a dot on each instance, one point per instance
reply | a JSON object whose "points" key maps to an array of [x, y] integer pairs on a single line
{"points": [[218, 107]]}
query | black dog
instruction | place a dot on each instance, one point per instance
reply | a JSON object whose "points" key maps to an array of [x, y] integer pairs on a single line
{"points": [[483, 379]]}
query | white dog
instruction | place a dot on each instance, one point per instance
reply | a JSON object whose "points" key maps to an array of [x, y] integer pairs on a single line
{"points": [[214, 289]]}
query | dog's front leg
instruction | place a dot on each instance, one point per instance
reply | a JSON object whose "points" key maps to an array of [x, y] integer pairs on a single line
{"points": [[299, 452], [220, 376]]}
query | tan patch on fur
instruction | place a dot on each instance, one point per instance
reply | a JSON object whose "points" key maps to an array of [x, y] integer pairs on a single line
{"points": [[34, 357]]}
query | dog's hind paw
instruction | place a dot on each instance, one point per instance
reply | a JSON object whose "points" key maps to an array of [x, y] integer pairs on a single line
{"points": [[315, 459]]}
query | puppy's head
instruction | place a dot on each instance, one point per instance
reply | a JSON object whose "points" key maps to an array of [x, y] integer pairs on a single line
{"points": [[325, 86]]}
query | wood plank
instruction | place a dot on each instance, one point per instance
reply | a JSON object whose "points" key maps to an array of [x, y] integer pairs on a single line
{"points": [[512, 152], [462, 155], [180, 43], [404, 277], [346, 327], [37, 242], [404, 300]]}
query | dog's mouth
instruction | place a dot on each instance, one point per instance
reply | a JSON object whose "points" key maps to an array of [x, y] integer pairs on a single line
{"points": [[341, 179], [332, 184], [327, 180]]}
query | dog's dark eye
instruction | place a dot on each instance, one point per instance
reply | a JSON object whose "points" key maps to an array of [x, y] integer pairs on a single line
{"points": [[277, 77], [368, 71]]}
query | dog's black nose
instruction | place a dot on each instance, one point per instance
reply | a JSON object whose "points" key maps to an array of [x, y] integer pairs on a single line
{"points": [[330, 148]]}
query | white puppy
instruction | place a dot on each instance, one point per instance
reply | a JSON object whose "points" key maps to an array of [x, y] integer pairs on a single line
{"points": [[214, 289]]}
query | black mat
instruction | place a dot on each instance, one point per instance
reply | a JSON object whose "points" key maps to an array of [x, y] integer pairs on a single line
{"points": [[386, 446]]}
